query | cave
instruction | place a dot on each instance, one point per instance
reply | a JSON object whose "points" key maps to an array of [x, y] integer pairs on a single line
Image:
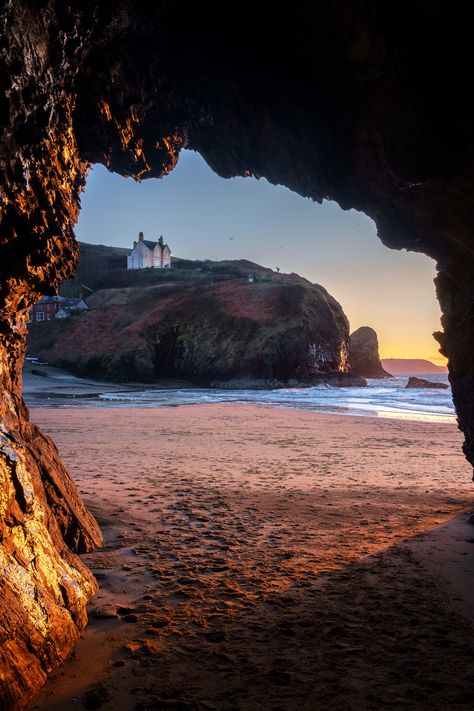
{"points": [[362, 102]]}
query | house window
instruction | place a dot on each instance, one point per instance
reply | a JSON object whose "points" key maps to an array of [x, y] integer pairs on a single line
{"points": [[39, 316], [39, 307]]}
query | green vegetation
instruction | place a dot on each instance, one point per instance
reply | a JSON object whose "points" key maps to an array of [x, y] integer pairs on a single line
{"points": [[102, 267]]}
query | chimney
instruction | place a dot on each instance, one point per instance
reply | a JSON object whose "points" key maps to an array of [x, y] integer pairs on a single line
{"points": [[140, 236]]}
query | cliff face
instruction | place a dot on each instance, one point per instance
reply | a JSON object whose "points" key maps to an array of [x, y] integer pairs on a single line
{"points": [[367, 103], [364, 354], [44, 587], [204, 333]]}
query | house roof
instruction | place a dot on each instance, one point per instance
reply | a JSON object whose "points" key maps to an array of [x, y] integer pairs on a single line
{"points": [[71, 303], [152, 245], [51, 299]]}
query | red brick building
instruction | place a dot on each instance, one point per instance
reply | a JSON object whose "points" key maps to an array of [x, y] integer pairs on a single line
{"points": [[46, 309], [51, 307]]}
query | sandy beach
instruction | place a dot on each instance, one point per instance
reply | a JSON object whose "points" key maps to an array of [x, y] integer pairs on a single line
{"points": [[262, 558]]}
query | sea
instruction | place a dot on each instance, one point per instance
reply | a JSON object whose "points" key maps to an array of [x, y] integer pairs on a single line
{"points": [[388, 398]]}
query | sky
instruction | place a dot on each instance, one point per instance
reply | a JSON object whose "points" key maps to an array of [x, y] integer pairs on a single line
{"points": [[203, 216]]}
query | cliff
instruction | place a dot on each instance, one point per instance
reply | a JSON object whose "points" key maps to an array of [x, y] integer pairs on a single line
{"points": [[364, 354], [275, 331]]}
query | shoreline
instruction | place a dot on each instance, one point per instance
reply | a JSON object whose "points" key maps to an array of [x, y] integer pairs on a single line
{"points": [[268, 558], [126, 405], [60, 390]]}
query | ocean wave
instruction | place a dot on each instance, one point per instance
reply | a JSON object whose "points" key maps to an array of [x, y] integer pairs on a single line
{"points": [[382, 398]]}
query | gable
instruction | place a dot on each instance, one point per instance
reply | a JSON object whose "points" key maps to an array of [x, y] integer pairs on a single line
{"points": [[145, 246], [149, 244], [141, 247]]}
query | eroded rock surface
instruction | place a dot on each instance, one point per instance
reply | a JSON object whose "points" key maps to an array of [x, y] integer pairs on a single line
{"points": [[367, 103], [44, 587]]}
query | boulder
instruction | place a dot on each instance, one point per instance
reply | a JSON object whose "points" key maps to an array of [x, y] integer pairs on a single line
{"points": [[422, 383], [342, 380]]}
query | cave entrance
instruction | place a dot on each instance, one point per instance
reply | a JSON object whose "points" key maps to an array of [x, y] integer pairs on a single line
{"points": [[217, 529], [237, 571], [204, 217], [218, 532]]}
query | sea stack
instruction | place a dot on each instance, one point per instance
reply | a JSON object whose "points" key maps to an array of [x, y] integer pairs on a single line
{"points": [[364, 354]]}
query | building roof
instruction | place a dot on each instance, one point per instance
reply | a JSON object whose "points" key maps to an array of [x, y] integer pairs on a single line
{"points": [[71, 303], [51, 299], [151, 245]]}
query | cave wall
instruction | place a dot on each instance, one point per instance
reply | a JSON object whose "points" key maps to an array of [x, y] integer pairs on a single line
{"points": [[361, 101], [44, 587]]}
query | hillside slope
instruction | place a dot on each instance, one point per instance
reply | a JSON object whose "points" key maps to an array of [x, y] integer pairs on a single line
{"points": [[202, 321], [403, 366], [104, 267]]}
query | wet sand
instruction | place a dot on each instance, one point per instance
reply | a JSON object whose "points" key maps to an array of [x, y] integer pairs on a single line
{"points": [[258, 558], [43, 382]]}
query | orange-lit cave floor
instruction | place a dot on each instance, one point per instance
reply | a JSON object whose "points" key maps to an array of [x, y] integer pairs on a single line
{"points": [[258, 559]]}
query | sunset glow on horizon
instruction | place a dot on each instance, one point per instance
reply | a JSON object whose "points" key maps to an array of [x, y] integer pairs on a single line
{"points": [[203, 216]]}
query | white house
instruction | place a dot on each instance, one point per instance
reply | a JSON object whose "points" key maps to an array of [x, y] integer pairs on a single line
{"points": [[146, 254]]}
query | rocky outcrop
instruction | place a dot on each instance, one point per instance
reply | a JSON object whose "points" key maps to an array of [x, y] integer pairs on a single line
{"points": [[366, 103], [422, 383], [364, 354], [336, 380], [44, 587], [265, 333], [341, 380]]}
